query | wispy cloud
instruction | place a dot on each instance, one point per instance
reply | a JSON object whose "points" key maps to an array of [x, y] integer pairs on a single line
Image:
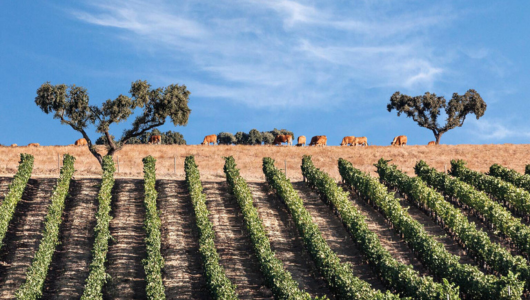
{"points": [[310, 59], [495, 129]]}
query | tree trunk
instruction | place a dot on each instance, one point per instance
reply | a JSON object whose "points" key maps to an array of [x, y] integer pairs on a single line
{"points": [[438, 136]]}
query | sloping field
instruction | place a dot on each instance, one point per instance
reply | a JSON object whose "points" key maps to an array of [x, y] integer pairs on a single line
{"points": [[170, 159], [184, 275]]}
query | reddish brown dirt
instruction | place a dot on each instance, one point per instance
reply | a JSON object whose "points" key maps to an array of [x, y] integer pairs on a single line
{"points": [[336, 235], [4, 187], [286, 242], [128, 249], [24, 235], [183, 273], [233, 243], [70, 265]]}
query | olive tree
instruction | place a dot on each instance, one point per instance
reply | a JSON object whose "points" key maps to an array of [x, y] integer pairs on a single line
{"points": [[267, 137], [173, 138], [254, 137], [242, 138], [70, 104], [102, 140], [226, 138], [426, 109]]}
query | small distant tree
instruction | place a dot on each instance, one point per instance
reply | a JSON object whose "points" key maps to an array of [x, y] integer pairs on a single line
{"points": [[226, 138], [426, 109], [254, 137], [173, 138], [131, 141], [102, 140], [268, 138], [242, 138], [71, 106]]}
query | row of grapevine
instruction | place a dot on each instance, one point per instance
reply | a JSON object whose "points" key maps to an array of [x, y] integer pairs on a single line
{"points": [[511, 176], [37, 271], [491, 211], [475, 241], [155, 262], [219, 285], [472, 282], [97, 276], [397, 276], [338, 275], [277, 278], [13, 196], [516, 199]]}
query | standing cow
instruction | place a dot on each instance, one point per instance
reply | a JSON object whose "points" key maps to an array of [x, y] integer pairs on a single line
{"points": [[363, 141], [212, 138], [155, 139], [400, 140], [81, 142], [347, 140], [301, 141], [318, 140], [283, 138]]}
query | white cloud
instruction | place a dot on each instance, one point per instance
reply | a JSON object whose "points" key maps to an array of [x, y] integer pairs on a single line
{"points": [[310, 59], [495, 129]]}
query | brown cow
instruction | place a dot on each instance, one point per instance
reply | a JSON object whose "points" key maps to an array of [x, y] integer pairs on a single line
{"points": [[322, 141], [155, 139], [314, 140], [81, 142], [318, 140], [301, 141], [348, 140], [14, 145], [283, 138], [400, 140], [431, 143], [212, 138], [34, 145], [363, 141]]}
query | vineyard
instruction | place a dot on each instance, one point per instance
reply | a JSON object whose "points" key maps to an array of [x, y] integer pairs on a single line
{"points": [[355, 234]]}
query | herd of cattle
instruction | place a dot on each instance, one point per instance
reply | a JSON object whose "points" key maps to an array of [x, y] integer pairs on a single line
{"points": [[318, 140]]}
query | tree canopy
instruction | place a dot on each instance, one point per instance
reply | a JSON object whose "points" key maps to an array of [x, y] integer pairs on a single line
{"points": [[226, 138], [426, 109], [70, 104]]}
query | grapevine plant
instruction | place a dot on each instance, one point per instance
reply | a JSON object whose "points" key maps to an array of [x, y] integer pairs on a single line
{"points": [[511, 176], [475, 241], [397, 276], [219, 285], [98, 276], [36, 274], [514, 198], [339, 275], [278, 279], [494, 213], [13, 196], [154, 263], [472, 282]]}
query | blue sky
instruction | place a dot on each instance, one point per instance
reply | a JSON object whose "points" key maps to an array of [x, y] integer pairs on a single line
{"points": [[313, 67]]}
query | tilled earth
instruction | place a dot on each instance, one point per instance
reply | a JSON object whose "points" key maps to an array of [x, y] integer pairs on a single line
{"points": [[183, 274]]}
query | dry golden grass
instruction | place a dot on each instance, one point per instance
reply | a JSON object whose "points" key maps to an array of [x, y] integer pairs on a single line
{"points": [[249, 158]]}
